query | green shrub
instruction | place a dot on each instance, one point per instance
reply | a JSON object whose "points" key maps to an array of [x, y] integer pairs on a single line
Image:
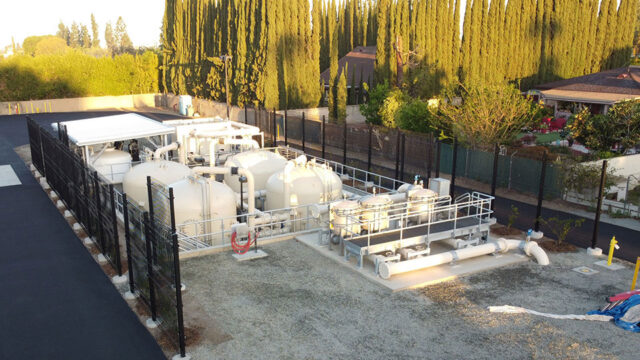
{"points": [[375, 98], [415, 116], [75, 74], [394, 101]]}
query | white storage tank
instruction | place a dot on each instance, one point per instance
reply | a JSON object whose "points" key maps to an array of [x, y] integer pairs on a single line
{"points": [[198, 199], [261, 163], [112, 164], [343, 219], [375, 212], [308, 184], [422, 201], [134, 183]]}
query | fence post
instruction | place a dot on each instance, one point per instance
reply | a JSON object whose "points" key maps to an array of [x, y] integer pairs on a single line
{"points": [[438, 148], [96, 187], [402, 157], [452, 190], [286, 128], [344, 145], [429, 157], [303, 134], [494, 179], [543, 173], [596, 224], [324, 128], [176, 270], [275, 134], [115, 230], [127, 242], [246, 113], [369, 151], [147, 241], [398, 136]]}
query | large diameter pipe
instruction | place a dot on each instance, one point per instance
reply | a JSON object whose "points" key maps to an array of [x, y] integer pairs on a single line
{"points": [[165, 149], [386, 270]]}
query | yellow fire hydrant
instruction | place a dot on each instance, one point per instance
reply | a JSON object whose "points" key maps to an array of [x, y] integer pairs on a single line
{"points": [[613, 245]]}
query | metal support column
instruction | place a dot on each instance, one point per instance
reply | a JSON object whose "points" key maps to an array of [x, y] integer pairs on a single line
{"points": [[596, 224], [369, 148], [303, 133], [543, 173], [176, 270], [397, 173], [494, 180], [454, 163], [344, 145], [438, 148], [403, 139], [324, 131], [286, 128]]}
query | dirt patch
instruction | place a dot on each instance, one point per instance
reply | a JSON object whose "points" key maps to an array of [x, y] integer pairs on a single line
{"points": [[551, 246], [505, 231]]}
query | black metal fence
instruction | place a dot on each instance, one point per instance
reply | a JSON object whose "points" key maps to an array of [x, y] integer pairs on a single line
{"points": [[150, 236], [84, 192]]}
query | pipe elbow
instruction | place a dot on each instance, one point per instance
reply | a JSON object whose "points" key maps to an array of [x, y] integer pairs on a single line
{"points": [[533, 249]]}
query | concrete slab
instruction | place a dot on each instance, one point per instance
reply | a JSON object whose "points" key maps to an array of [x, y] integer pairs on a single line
{"points": [[250, 255], [585, 270], [8, 177], [419, 278], [612, 267]]}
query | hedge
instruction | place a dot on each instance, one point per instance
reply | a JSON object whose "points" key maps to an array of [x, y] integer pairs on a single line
{"points": [[75, 74]]}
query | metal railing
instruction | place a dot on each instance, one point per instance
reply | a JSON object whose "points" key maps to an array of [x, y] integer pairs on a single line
{"points": [[216, 233], [404, 216]]}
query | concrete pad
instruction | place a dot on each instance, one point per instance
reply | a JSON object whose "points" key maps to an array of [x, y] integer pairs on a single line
{"points": [[418, 278], [614, 266], [8, 177], [250, 255], [585, 270]]}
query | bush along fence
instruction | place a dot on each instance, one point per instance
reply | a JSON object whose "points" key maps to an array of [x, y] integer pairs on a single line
{"points": [[403, 155], [151, 241]]}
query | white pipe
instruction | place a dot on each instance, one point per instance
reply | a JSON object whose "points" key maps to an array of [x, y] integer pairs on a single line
{"points": [[386, 270], [165, 149], [251, 188]]}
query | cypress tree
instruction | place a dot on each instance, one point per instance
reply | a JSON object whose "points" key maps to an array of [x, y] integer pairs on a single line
{"points": [[271, 85], [382, 60], [333, 64], [341, 97], [465, 71]]}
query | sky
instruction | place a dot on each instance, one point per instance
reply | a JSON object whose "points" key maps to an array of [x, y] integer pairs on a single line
{"points": [[23, 18]]}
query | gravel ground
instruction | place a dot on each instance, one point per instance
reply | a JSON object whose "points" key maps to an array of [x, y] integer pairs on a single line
{"points": [[297, 304]]}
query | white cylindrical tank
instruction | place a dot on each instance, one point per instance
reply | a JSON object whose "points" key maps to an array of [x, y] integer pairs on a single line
{"points": [[134, 183], [342, 218], [112, 164], [198, 199], [375, 212], [422, 201], [261, 163], [308, 184]]}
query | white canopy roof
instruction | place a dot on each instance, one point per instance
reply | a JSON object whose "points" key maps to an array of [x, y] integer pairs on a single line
{"points": [[114, 128]]}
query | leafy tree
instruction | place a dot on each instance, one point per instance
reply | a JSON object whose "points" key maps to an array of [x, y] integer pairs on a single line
{"points": [[63, 32], [341, 97], [109, 38], [371, 109], [95, 32], [51, 45], [122, 41], [620, 126], [415, 115], [488, 115], [394, 101], [85, 38], [74, 36]]}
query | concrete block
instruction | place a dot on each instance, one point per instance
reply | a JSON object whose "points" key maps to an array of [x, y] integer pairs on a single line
{"points": [[119, 279], [250, 255], [594, 252], [151, 324], [130, 296], [178, 357], [67, 214], [32, 168], [59, 204], [76, 227], [87, 241], [101, 259], [45, 184]]}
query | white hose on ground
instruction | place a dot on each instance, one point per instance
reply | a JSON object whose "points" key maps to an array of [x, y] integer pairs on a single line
{"points": [[386, 270], [165, 149], [508, 309]]}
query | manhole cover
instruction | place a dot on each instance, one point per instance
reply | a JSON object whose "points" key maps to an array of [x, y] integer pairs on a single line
{"points": [[585, 270]]}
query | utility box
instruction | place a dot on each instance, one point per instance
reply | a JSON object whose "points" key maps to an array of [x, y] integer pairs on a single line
{"points": [[440, 186], [184, 103]]}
